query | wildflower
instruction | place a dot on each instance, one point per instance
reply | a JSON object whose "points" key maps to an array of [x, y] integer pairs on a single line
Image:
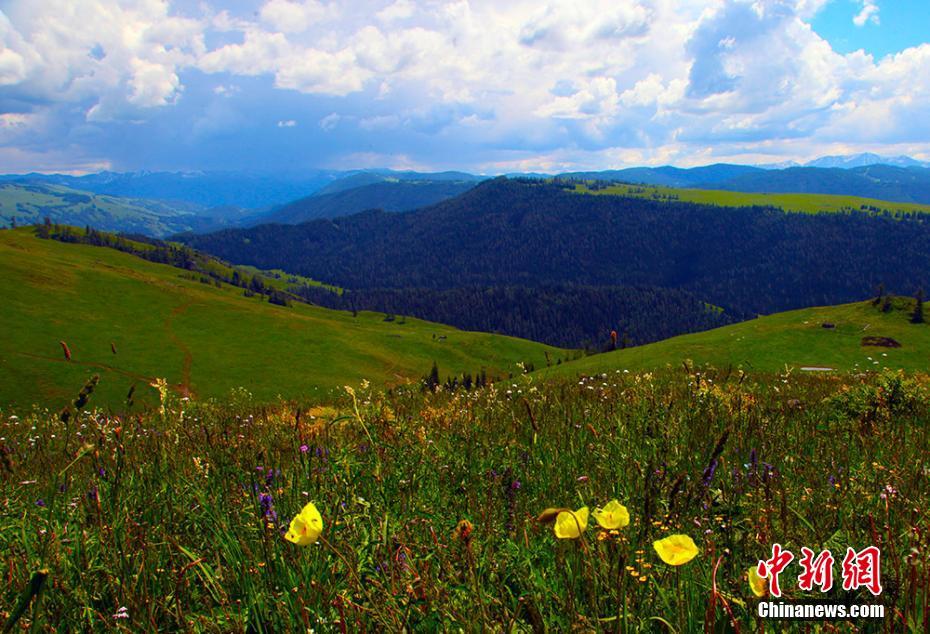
{"points": [[304, 449], [571, 524], [265, 502], [756, 583], [463, 531], [614, 515], [306, 527], [40, 503], [676, 550], [122, 613]]}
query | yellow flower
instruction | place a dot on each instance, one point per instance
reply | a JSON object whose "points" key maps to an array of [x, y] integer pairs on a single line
{"points": [[756, 583], [306, 527], [676, 550], [614, 515], [571, 524]]}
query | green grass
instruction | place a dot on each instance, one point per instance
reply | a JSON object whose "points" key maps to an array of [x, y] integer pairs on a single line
{"points": [[31, 203], [174, 519], [202, 339], [282, 280], [793, 339], [803, 203]]}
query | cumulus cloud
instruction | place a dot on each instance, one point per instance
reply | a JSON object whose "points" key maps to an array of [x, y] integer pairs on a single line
{"points": [[590, 84], [289, 16], [126, 56]]}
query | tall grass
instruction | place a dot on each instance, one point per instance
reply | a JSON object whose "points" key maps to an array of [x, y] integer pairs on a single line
{"points": [[173, 520]]}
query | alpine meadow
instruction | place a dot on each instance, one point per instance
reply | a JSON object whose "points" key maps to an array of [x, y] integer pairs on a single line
{"points": [[462, 316]]}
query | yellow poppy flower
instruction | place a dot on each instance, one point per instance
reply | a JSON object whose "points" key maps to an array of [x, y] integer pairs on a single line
{"points": [[613, 516], [306, 527], [571, 524], [756, 583], [676, 550]]}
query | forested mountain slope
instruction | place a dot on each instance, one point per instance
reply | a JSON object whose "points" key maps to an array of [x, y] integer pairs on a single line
{"points": [[507, 233]]}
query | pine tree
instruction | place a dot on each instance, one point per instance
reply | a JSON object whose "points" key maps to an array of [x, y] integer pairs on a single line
{"points": [[432, 381]]}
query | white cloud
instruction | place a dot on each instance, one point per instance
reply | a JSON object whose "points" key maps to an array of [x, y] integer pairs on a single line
{"points": [[867, 14], [399, 10], [120, 57], [288, 16], [330, 121], [596, 83], [287, 123]]}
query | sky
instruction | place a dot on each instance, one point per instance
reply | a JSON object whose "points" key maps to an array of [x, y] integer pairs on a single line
{"points": [[483, 86]]}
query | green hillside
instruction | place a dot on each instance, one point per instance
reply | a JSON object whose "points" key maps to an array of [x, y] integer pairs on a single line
{"points": [[803, 203], [796, 339], [29, 203], [204, 339]]}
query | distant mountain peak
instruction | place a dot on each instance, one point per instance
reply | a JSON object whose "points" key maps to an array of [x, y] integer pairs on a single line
{"points": [[848, 161]]}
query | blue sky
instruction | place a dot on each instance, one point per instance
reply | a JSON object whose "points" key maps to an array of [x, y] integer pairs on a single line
{"points": [[891, 27], [461, 84]]}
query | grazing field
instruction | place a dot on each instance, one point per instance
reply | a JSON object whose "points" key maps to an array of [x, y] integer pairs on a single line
{"points": [[175, 520], [130, 321], [803, 203], [795, 339]]}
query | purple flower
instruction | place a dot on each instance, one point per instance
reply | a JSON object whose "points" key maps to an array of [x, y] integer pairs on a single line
{"points": [[265, 501], [709, 472], [40, 502], [304, 449], [271, 475]]}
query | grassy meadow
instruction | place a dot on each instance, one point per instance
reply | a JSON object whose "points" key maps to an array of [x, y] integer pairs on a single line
{"points": [[130, 321], [436, 506], [784, 341], [802, 203], [173, 520]]}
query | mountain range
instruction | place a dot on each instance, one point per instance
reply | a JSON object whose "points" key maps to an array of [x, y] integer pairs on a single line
{"points": [[206, 201], [548, 237]]}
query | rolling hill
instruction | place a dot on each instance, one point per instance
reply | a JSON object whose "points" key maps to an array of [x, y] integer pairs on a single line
{"points": [[162, 321], [517, 233], [884, 182], [805, 203], [29, 203], [795, 339], [351, 180], [243, 190], [388, 195]]}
